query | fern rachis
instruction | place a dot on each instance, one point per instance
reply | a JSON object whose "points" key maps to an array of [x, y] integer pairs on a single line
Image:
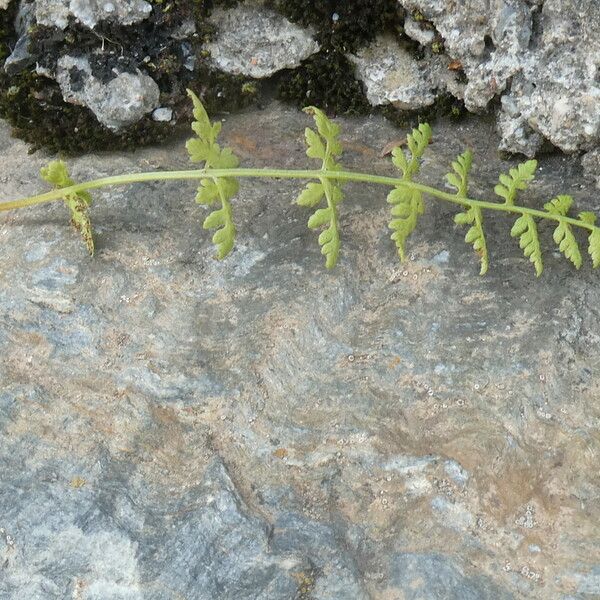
{"points": [[218, 184]]}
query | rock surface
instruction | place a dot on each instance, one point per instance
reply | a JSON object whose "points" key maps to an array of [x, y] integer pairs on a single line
{"points": [[543, 59], [535, 64], [122, 100], [391, 75], [591, 166], [174, 427], [56, 13], [258, 42]]}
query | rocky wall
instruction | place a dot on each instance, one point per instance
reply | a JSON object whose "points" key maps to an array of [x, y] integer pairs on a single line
{"points": [[116, 71]]}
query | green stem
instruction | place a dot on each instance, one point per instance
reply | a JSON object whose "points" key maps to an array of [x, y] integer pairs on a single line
{"points": [[287, 174]]}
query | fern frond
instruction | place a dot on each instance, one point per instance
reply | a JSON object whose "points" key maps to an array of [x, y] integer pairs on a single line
{"points": [[327, 129], [219, 184], [417, 143], [324, 145], [460, 178], [475, 234], [407, 204], [593, 239], [473, 215], [517, 179], [311, 195], [407, 207], [563, 234], [78, 203], [525, 229], [204, 148]]}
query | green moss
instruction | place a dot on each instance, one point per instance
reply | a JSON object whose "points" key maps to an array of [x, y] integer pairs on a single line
{"points": [[437, 46], [7, 32], [325, 80], [221, 92], [34, 106], [344, 25]]}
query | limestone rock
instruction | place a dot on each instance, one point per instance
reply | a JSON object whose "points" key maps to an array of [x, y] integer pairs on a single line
{"points": [[488, 40], [123, 100], [391, 75], [257, 42], [557, 91], [162, 114], [517, 135], [591, 166], [542, 58], [56, 13], [414, 30]]}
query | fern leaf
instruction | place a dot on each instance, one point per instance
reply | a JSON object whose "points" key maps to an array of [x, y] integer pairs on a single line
{"points": [[594, 237], [526, 230], [563, 234], [460, 178], [207, 193], [204, 148], [407, 206], [320, 217], [224, 238], [518, 178], [311, 195], [473, 216], [475, 234], [327, 129], [417, 143], [78, 203], [316, 147], [399, 159], [323, 144], [329, 241], [594, 247]]}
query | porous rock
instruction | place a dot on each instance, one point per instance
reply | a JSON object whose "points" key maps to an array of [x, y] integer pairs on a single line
{"points": [[122, 100], [541, 58], [258, 42], [391, 75], [488, 40], [162, 114], [56, 13], [417, 32], [591, 166], [556, 93], [534, 63]]}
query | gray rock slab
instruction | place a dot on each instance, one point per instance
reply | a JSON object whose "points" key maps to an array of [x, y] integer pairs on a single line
{"points": [[175, 427], [255, 41]]}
